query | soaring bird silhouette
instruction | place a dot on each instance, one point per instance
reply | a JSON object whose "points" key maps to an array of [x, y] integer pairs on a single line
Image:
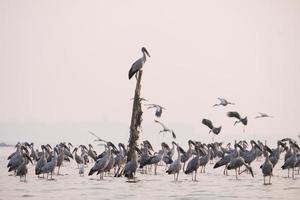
{"points": [[138, 65], [208, 123], [165, 129], [223, 102], [240, 119], [158, 108], [262, 115]]}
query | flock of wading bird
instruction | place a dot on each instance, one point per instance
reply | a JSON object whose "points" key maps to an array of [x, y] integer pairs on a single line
{"points": [[113, 161]]}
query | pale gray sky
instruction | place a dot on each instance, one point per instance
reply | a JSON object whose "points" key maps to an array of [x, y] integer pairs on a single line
{"points": [[64, 67]]}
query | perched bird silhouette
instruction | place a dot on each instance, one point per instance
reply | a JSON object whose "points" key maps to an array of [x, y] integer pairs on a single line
{"points": [[138, 65]]}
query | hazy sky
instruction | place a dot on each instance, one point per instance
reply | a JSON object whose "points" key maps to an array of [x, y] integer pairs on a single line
{"points": [[64, 67]]}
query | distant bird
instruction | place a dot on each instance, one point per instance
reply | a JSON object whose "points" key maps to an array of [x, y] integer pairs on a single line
{"points": [[194, 164], [138, 65], [50, 166], [22, 169], [102, 162], [158, 108], [263, 115], [175, 167], [267, 166], [208, 123], [132, 165], [42, 161], [223, 102], [237, 162], [92, 153], [165, 129], [79, 159], [240, 119], [290, 162]]}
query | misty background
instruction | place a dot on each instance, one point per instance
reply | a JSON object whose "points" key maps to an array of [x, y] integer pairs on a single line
{"points": [[64, 68]]}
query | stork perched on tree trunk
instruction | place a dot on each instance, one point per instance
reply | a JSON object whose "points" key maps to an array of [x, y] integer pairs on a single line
{"points": [[138, 65]]}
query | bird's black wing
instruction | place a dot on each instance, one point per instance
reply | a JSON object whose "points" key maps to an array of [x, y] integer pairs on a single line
{"points": [[208, 123], [234, 114]]}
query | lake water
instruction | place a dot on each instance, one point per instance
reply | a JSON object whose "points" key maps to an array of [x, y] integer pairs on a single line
{"points": [[211, 185]]}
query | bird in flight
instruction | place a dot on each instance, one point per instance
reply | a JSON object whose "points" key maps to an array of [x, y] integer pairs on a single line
{"points": [[165, 129], [209, 124], [236, 115], [223, 102], [158, 108], [263, 115], [138, 65]]}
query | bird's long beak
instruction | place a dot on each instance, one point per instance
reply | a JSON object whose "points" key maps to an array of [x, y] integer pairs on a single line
{"points": [[28, 157], [75, 149], [145, 50]]}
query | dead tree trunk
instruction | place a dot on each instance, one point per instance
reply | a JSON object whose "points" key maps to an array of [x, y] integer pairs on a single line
{"points": [[136, 117]]}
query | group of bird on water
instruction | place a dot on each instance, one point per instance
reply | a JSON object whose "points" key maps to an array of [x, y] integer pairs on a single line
{"points": [[113, 161]]}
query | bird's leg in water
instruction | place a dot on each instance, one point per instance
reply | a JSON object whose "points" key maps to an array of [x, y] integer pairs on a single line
{"points": [[293, 172], [174, 178], [195, 179], [236, 174], [264, 180], [155, 169], [177, 176], [270, 180], [288, 172]]}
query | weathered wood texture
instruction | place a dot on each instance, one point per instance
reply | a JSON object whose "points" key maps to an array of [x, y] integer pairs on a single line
{"points": [[136, 117]]}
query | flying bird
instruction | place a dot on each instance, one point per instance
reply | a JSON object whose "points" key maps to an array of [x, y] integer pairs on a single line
{"points": [[138, 65], [165, 129], [240, 119], [223, 102], [158, 108], [263, 115], [209, 124]]}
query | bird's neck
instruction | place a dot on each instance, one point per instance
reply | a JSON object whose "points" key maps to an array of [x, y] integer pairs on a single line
{"points": [[144, 57], [179, 156]]}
